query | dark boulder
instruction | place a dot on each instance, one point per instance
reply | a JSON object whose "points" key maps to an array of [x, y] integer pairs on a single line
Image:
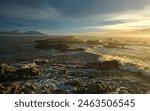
{"points": [[93, 88], [41, 61], [106, 65], [6, 69]]}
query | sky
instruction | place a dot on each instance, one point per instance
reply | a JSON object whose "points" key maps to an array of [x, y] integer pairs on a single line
{"points": [[74, 16]]}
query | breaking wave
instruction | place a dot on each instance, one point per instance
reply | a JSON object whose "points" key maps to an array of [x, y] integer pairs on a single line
{"points": [[126, 64]]}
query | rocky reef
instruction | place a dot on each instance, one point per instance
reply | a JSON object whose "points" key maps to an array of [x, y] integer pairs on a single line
{"points": [[113, 64], [52, 76], [55, 68], [21, 71]]}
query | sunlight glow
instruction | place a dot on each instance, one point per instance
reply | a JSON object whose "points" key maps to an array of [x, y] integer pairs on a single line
{"points": [[139, 19]]}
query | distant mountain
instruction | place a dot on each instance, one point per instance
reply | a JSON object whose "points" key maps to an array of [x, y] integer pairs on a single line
{"points": [[33, 33], [15, 32], [18, 33]]}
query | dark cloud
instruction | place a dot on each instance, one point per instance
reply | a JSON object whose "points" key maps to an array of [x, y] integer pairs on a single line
{"points": [[74, 8], [60, 13]]}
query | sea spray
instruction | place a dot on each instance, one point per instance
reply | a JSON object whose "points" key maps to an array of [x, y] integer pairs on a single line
{"points": [[126, 64]]}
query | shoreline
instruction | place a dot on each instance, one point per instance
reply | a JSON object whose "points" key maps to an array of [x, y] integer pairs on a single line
{"points": [[66, 73], [53, 67]]}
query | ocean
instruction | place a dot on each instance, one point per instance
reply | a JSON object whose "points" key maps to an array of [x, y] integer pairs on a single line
{"points": [[135, 57], [132, 75], [13, 47]]}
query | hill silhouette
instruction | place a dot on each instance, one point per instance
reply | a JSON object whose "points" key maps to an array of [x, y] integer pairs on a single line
{"points": [[19, 33]]}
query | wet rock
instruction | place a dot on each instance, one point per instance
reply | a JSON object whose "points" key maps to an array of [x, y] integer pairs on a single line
{"points": [[45, 89], [106, 65], [29, 71], [31, 89], [114, 44], [41, 61], [122, 90], [74, 83], [2, 89], [46, 44], [93, 88], [18, 89], [59, 91], [18, 71], [93, 42], [148, 92], [6, 69], [77, 49], [110, 64]]}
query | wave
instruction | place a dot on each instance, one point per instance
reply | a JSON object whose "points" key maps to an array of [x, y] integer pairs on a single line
{"points": [[126, 64]]}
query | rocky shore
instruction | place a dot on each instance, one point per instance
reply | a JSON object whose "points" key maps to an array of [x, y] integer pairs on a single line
{"points": [[62, 70]]}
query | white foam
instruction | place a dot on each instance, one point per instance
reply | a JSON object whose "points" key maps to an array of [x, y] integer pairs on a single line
{"points": [[136, 68], [126, 64]]}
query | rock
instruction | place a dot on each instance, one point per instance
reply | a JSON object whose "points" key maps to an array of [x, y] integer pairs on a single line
{"points": [[18, 89], [2, 88], [113, 64], [45, 89], [46, 44], [41, 61], [77, 49], [74, 83], [148, 92], [7, 69], [29, 71], [28, 89], [106, 65], [93, 42], [59, 91], [18, 71], [114, 44], [122, 90], [93, 88]]}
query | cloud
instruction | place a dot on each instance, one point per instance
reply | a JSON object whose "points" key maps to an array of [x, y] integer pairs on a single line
{"points": [[66, 8], [73, 15], [29, 13], [133, 19]]}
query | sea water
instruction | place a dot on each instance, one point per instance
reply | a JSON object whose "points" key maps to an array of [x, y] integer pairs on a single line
{"points": [[135, 57]]}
